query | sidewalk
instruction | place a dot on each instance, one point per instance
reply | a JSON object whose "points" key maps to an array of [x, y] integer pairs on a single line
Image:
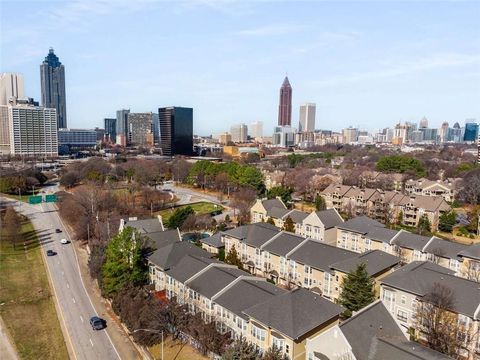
{"points": [[124, 345], [6, 347]]}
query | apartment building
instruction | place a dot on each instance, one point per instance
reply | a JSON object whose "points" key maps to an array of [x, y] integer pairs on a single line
{"points": [[470, 268], [266, 208], [404, 290], [446, 188], [213, 243]]}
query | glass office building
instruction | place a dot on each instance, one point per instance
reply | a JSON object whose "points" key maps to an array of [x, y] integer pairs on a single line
{"points": [[471, 132], [176, 130]]}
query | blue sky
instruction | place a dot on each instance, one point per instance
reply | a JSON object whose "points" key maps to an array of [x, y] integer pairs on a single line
{"points": [[367, 64]]}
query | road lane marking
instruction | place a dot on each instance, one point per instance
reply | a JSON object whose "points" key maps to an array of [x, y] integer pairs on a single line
{"points": [[73, 299], [81, 318], [91, 342]]}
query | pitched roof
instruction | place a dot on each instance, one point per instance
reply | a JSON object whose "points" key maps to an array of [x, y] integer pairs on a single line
{"points": [[254, 234], [189, 266], [330, 218], [170, 255], [295, 313], [384, 348], [360, 224], [162, 238], [445, 248], [418, 277], [472, 252], [145, 226], [336, 188], [320, 255], [364, 193], [408, 240], [376, 262], [296, 215], [381, 234], [214, 279], [270, 203], [429, 203], [215, 240], [247, 293], [277, 212], [283, 243]]}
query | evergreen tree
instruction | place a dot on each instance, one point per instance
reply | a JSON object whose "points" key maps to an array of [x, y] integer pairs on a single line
{"points": [[400, 218], [357, 290], [283, 192], [424, 226], [320, 203], [447, 221], [241, 350], [289, 225], [270, 221], [232, 258], [274, 353], [179, 216]]}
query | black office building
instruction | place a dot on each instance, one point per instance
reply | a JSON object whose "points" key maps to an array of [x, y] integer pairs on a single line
{"points": [[176, 130], [110, 125]]}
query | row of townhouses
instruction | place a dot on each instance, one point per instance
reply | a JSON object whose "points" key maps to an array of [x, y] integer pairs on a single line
{"points": [[447, 188]]}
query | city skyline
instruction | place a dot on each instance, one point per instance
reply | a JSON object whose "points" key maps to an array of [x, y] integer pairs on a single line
{"points": [[430, 69]]}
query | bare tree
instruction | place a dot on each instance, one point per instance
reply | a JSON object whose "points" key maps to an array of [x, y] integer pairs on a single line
{"points": [[11, 224], [242, 200], [472, 271]]}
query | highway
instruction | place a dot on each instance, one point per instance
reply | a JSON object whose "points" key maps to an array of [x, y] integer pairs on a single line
{"points": [[75, 305]]}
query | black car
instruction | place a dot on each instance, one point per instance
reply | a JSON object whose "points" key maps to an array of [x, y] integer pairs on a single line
{"points": [[58, 231], [97, 323], [51, 253]]}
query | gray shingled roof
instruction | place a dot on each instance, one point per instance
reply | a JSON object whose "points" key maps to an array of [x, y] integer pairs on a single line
{"points": [[408, 240], [254, 234], [381, 234], [162, 238], [445, 248], [214, 279], [277, 212], [270, 203], [189, 266], [145, 226], [247, 293], [283, 243], [171, 254], [215, 240], [295, 313], [418, 277], [360, 224], [377, 262], [329, 218], [472, 252], [296, 215], [320, 255], [384, 348]]}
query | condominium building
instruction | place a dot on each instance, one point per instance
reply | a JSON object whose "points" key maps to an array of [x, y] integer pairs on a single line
{"points": [[11, 86], [307, 117], [140, 129], [239, 133]]}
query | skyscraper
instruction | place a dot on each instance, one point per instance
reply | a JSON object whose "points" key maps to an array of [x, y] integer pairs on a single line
{"points": [[110, 126], [285, 104], [52, 79], [306, 121], [140, 129], [423, 123], [176, 130], [256, 129], [239, 133], [11, 86], [122, 120], [471, 131]]}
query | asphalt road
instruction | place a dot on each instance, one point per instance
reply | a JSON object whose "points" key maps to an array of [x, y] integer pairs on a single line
{"points": [[76, 307]]}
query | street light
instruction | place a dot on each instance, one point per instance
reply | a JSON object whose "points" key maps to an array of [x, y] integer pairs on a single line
{"points": [[151, 330]]}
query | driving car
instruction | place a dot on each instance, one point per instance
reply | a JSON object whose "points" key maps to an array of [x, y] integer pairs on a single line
{"points": [[97, 323], [58, 231], [51, 253], [64, 241]]}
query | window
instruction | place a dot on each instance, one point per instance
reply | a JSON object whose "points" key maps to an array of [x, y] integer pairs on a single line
{"points": [[454, 265], [402, 315], [307, 269], [388, 296], [368, 244], [417, 255], [354, 243], [258, 333], [403, 299], [278, 343]]}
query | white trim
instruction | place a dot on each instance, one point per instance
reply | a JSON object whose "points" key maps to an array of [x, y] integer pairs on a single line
{"points": [[428, 243], [269, 240], [396, 235], [296, 247], [237, 280]]}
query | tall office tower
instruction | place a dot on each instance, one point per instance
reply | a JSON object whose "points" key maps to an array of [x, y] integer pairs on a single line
{"points": [[176, 130], [256, 129], [140, 129], [306, 121], [110, 126], [423, 124], [239, 133], [32, 129], [285, 104], [52, 79], [350, 135], [11, 86], [471, 130], [122, 120], [443, 132], [156, 129]]}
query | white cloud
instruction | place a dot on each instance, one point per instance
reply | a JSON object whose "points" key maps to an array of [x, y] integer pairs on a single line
{"points": [[272, 30]]}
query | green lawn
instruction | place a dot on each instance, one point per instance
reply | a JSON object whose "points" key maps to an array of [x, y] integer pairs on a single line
{"points": [[200, 208], [28, 308]]}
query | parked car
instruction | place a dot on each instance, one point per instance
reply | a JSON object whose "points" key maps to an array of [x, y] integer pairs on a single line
{"points": [[58, 231], [97, 323], [51, 253], [64, 241]]}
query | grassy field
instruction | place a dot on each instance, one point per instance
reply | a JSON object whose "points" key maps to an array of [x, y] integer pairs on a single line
{"points": [[200, 208], [28, 308], [175, 350]]}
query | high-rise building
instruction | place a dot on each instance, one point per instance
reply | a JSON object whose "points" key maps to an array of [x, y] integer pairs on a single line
{"points": [[122, 121], [225, 138], [350, 135], [140, 129], [423, 124], [110, 126], [256, 129], [283, 136], [76, 139], [306, 121], [11, 86], [52, 79], [443, 132], [285, 104], [31, 129], [239, 133], [471, 131], [176, 130], [156, 129]]}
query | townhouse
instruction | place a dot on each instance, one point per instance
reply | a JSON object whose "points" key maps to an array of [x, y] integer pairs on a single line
{"points": [[265, 208], [470, 268], [321, 225], [446, 188], [213, 244], [403, 291], [370, 334], [143, 226]]}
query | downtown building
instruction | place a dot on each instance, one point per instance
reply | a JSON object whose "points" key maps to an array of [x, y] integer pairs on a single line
{"points": [[285, 104], [140, 129], [70, 140], [239, 133], [176, 130], [307, 117], [52, 79], [122, 126], [11, 86], [110, 126]]}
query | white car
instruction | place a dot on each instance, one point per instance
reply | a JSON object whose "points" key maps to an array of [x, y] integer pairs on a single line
{"points": [[64, 241]]}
